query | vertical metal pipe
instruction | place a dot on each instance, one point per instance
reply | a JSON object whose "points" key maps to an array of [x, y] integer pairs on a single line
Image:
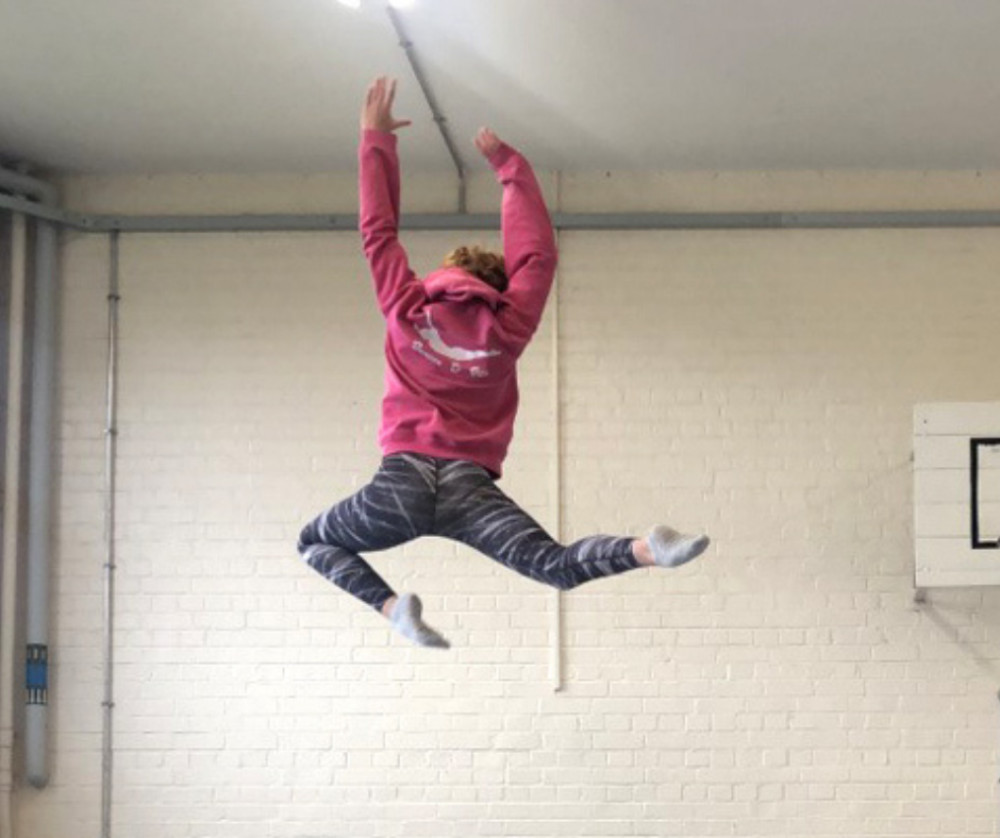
{"points": [[40, 433], [11, 531], [111, 433], [439, 118], [556, 624], [39, 475]]}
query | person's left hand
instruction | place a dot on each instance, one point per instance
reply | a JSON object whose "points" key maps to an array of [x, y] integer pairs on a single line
{"points": [[487, 142], [376, 112]]}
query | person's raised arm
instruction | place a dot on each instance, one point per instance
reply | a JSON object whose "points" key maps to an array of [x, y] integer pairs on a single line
{"points": [[529, 244], [379, 194]]}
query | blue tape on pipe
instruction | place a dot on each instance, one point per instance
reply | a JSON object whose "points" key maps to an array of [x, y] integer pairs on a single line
{"points": [[37, 674]]}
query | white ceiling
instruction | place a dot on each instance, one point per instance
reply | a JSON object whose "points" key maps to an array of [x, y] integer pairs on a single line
{"points": [[274, 85]]}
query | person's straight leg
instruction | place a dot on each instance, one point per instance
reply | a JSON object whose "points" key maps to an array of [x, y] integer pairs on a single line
{"points": [[472, 509]]}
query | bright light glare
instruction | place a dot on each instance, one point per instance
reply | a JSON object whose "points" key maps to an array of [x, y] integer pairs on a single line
{"points": [[396, 4]]}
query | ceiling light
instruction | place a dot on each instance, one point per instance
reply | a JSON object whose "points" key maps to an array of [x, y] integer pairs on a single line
{"points": [[396, 4]]}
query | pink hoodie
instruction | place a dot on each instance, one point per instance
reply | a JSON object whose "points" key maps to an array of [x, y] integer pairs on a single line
{"points": [[452, 341]]}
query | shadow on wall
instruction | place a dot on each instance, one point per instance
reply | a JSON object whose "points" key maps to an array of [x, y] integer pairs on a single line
{"points": [[942, 617]]}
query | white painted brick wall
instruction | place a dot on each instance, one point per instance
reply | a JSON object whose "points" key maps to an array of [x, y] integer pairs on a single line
{"points": [[758, 383]]}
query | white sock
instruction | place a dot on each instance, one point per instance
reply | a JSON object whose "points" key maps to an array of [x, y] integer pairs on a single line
{"points": [[405, 618], [672, 549]]}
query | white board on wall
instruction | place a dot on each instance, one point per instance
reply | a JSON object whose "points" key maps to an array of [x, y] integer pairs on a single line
{"points": [[956, 493]]}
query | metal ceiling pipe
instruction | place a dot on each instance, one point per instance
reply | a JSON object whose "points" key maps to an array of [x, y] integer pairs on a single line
{"points": [[314, 222], [22, 184], [905, 219], [301, 222], [48, 212], [439, 118]]}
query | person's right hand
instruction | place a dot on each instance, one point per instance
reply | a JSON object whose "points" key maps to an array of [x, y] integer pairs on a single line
{"points": [[376, 112], [487, 142]]}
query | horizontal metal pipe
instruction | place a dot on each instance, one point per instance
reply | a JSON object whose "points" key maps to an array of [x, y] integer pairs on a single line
{"points": [[304, 223], [775, 220], [563, 221], [47, 212], [222, 223], [890, 219], [902, 219]]}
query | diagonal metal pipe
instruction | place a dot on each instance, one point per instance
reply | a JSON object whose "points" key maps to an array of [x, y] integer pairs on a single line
{"points": [[439, 118]]}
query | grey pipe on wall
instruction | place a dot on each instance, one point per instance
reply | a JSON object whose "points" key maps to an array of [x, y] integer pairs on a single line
{"points": [[15, 281], [40, 439], [110, 461], [39, 479]]}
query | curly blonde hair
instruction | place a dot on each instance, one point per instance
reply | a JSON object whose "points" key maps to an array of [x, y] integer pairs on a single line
{"points": [[484, 264]]}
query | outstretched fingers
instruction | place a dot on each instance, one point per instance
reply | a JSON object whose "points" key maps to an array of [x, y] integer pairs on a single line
{"points": [[377, 109], [487, 142], [390, 99]]}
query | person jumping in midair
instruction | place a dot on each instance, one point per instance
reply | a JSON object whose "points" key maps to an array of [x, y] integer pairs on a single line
{"points": [[451, 349]]}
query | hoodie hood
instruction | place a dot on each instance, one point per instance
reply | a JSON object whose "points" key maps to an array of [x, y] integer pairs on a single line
{"points": [[456, 285]]}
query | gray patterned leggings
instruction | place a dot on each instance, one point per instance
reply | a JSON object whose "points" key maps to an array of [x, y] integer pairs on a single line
{"points": [[413, 495]]}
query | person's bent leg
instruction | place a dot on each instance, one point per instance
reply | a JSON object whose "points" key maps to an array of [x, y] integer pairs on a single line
{"points": [[396, 507], [472, 509]]}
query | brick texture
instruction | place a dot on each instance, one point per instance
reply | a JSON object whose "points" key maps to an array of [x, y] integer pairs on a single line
{"points": [[757, 384]]}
